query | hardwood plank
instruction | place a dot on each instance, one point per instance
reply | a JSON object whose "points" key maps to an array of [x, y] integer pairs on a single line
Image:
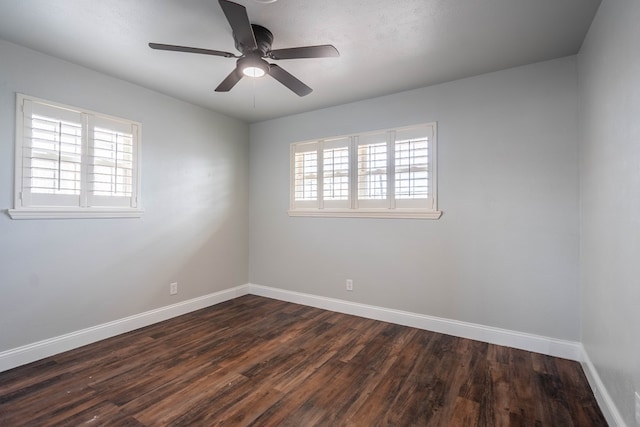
{"points": [[193, 397], [500, 385], [465, 413], [258, 361]]}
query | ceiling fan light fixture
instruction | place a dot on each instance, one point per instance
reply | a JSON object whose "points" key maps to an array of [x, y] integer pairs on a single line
{"points": [[253, 66], [253, 71]]}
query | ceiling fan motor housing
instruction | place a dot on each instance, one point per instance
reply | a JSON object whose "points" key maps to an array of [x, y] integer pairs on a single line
{"points": [[264, 39]]}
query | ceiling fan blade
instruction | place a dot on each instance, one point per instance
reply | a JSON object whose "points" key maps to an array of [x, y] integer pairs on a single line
{"points": [[239, 20], [187, 49], [322, 51], [289, 80], [230, 81]]}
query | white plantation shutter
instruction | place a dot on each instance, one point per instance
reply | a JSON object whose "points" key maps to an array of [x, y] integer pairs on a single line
{"points": [[305, 175], [51, 156], [69, 160], [412, 167], [335, 172], [111, 159], [373, 168]]}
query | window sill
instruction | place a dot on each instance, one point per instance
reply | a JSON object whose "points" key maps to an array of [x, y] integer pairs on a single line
{"points": [[74, 213], [367, 213]]}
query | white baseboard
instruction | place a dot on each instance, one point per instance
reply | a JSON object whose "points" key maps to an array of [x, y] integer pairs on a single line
{"points": [[608, 408], [553, 347], [39, 350]]}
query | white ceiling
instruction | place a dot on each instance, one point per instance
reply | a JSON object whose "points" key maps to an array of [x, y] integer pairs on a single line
{"points": [[386, 46]]}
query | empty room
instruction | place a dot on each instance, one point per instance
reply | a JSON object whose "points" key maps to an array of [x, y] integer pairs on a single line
{"points": [[286, 212]]}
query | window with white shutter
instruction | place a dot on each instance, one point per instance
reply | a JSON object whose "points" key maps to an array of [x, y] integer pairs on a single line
{"points": [[73, 163], [382, 174]]}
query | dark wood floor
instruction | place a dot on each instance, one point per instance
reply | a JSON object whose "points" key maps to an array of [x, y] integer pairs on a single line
{"points": [[257, 361]]}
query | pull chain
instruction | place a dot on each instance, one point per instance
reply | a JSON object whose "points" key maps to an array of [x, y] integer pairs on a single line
{"points": [[254, 92]]}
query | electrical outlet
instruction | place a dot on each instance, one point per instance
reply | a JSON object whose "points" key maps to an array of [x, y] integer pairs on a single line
{"points": [[637, 408], [349, 284], [173, 288]]}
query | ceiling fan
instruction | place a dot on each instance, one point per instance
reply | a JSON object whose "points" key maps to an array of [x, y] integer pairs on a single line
{"points": [[254, 42]]}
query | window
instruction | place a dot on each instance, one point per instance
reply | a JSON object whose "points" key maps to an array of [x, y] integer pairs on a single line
{"points": [[72, 163], [390, 173]]}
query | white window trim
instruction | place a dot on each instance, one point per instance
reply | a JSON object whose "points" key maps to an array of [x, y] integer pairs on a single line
{"points": [[69, 212], [319, 209], [368, 213], [74, 213]]}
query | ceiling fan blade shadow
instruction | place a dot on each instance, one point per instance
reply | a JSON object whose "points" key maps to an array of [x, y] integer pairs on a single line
{"points": [[321, 51], [239, 21], [289, 80], [171, 47], [230, 81]]}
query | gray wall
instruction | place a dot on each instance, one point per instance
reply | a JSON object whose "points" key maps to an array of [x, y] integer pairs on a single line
{"points": [[59, 276], [609, 81], [505, 252]]}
